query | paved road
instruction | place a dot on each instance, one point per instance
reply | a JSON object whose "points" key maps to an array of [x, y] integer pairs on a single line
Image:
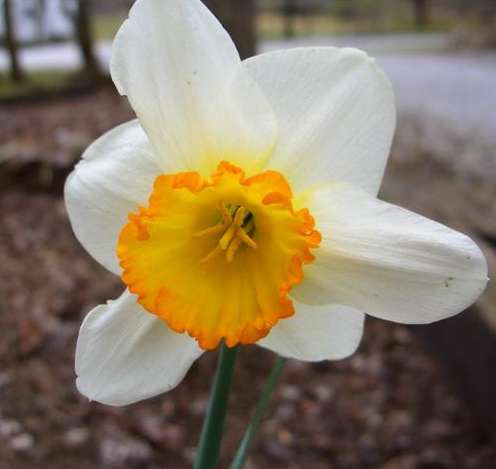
{"points": [[459, 89]]}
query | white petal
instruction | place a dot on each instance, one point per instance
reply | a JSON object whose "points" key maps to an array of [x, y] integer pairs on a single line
{"points": [[317, 333], [184, 78], [389, 262], [114, 177], [336, 115], [125, 354]]}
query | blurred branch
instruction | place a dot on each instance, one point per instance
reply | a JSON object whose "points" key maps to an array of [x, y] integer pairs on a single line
{"points": [[421, 13], [290, 10], [16, 72], [81, 19], [82, 24]]}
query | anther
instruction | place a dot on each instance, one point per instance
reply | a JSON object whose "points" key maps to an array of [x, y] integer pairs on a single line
{"points": [[237, 225], [239, 217], [228, 236]]}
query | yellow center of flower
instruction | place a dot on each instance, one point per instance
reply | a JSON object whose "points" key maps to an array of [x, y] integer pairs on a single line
{"points": [[216, 258], [237, 225]]}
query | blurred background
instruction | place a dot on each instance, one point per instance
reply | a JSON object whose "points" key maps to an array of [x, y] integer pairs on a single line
{"points": [[410, 398]]}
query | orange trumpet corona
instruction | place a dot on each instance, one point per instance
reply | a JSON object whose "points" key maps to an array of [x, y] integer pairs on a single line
{"points": [[217, 258]]}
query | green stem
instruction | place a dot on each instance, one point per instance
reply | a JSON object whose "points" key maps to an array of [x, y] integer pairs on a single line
{"points": [[251, 431], [211, 436]]}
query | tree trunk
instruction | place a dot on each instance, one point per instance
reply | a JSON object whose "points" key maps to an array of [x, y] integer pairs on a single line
{"points": [[238, 17], [16, 73], [421, 13], [84, 38], [290, 11]]}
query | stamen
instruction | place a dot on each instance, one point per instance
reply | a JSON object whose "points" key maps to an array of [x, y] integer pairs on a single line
{"points": [[240, 216], [233, 248], [226, 215], [237, 225], [246, 239], [212, 254], [228, 236], [212, 230]]}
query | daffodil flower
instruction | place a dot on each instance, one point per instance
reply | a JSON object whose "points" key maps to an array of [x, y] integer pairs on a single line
{"points": [[241, 207]]}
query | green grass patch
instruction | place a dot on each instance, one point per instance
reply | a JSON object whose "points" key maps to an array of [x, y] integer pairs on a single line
{"points": [[36, 83], [273, 25], [106, 26]]}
